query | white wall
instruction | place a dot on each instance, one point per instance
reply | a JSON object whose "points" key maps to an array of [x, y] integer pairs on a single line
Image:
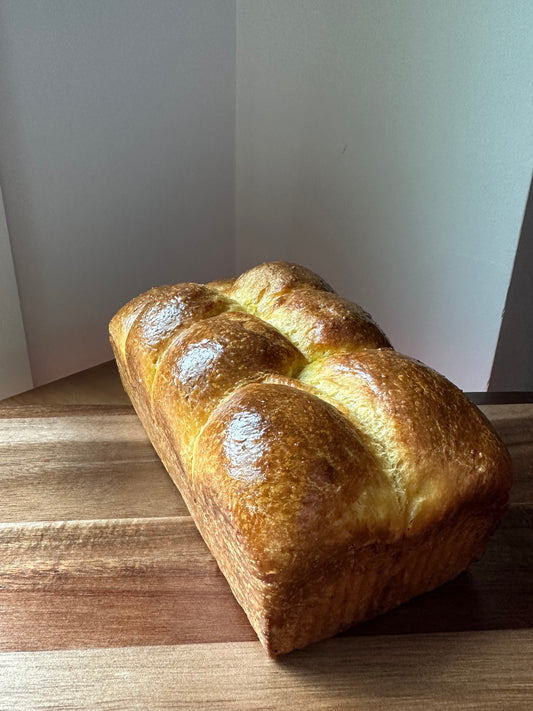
{"points": [[117, 154], [389, 145]]}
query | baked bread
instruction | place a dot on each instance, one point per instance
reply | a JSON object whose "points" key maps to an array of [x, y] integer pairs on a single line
{"points": [[332, 477]]}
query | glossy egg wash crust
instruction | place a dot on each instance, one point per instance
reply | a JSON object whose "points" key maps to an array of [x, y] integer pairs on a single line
{"points": [[332, 477]]}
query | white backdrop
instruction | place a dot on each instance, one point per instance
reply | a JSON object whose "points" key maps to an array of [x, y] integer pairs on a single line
{"points": [[386, 145], [117, 153], [389, 145]]}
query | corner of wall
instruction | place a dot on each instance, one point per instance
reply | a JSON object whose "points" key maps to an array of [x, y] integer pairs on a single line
{"points": [[512, 368]]}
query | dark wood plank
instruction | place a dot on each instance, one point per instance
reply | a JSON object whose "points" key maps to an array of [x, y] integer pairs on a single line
{"points": [[112, 583], [514, 423], [153, 581], [496, 592], [500, 398]]}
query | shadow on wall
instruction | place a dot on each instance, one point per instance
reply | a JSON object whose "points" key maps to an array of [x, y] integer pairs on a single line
{"points": [[513, 362]]}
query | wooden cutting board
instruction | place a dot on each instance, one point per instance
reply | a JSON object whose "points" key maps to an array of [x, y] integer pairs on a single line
{"points": [[110, 599]]}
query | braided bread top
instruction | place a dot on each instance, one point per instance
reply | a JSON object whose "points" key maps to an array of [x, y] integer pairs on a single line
{"points": [[296, 422]]}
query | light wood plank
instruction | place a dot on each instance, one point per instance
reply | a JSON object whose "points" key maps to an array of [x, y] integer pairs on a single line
{"points": [[97, 462], [454, 671], [48, 490], [101, 427], [61, 410], [85, 463]]}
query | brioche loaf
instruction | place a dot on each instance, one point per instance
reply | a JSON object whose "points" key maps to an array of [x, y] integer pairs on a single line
{"points": [[332, 477]]}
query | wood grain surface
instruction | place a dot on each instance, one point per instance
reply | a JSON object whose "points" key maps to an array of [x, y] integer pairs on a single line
{"points": [[109, 598], [475, 670]]}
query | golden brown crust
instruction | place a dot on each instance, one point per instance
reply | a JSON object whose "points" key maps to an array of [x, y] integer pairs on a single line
{"points": [[209, 360], [124, 319], [290, 474], [174, 309], [332, 477], [222, 285], [437, 447], [320, 322], [256, 288]]}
